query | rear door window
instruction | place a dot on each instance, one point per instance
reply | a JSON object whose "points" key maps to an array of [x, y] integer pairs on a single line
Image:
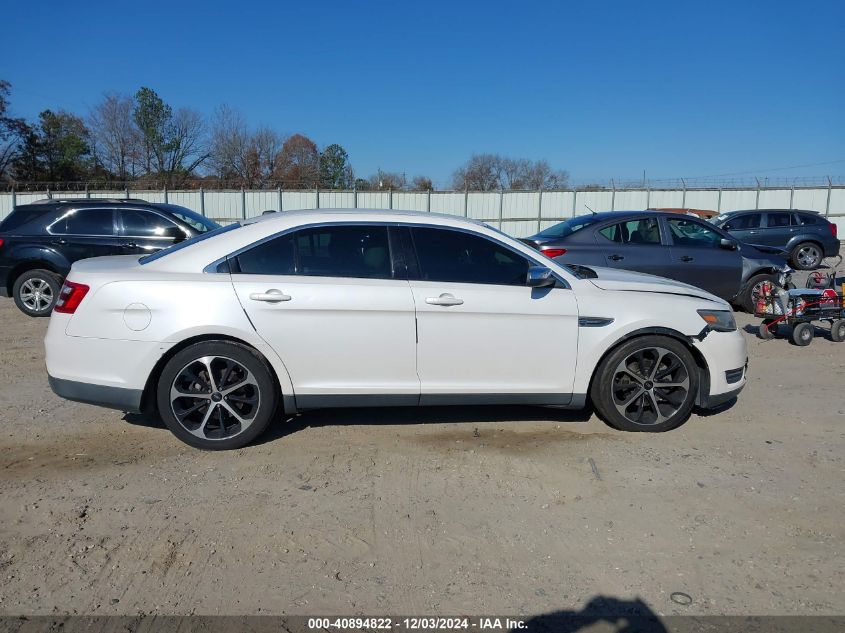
{"points": [[642, 231], [90, 222], [358, 251], [778, 220]]}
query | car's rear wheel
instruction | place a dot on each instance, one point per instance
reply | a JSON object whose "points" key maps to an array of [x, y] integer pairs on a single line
{"points": [[647, 384], [217, 395], [806, 256], [36, 291]]}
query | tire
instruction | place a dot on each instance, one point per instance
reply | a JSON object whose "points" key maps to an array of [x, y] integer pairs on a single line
{"points": [[36, 292], [837, 331], [747, 297], [217, 416], [802, 334], [767, 330], [629, 398], [807, 256]]}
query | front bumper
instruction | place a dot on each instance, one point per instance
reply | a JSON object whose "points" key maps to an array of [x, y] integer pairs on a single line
{"points": [[713, 401], [100, 395]]}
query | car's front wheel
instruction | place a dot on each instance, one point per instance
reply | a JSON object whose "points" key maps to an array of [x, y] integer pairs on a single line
{"points": [[217, 395], [36, 292], [646, 384], [750, 292]]}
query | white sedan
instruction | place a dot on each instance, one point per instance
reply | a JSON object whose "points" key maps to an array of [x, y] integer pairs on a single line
{"points": [[344, 308]]}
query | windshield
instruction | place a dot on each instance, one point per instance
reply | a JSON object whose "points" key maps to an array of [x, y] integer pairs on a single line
{"points": [[569, 227], [192, 218], [196, 238]]}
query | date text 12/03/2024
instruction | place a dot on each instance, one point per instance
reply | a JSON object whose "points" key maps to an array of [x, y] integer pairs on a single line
{"points": [[418, 623]]}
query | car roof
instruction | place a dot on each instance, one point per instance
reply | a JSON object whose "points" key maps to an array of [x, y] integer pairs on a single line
{"points": [[87, 201], [367, 214], [770, 211]]}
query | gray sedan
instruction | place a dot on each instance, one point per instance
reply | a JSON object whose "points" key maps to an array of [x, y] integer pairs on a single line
{"points": [[669, 245]]}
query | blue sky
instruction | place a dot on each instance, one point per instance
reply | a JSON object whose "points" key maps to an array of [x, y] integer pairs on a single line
{"points": [[601, 89]]}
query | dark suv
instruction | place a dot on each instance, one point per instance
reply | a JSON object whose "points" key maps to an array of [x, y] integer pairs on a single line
{"points": [[805, 235], [40, 241]]}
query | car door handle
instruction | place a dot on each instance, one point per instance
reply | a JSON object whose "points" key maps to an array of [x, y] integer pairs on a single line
{"points": [[615, 257], [271, 296], [687, 258], [129, 245], [444, 300], [61, 242]]}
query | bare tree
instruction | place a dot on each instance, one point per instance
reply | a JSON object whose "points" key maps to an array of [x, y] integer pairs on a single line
{"points": [[422, 183], [480, 173], [115, 137], [488, 172], [228, 143], [387, 180]]}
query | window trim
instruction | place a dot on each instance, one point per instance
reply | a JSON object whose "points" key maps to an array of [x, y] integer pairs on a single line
{"points": [[222, 265], [64, 213], [780, 226]]}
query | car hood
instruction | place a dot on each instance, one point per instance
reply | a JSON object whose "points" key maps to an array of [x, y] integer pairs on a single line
{"points": [[626, 280]]}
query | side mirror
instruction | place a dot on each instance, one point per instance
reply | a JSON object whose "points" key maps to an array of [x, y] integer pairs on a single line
{"points": [[174, 233], [728, 245], [540, 277]]}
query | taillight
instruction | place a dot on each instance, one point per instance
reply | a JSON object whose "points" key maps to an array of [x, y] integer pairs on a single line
{"points": [[832, 231], [70, 296], [1, 242], [552, 252]]}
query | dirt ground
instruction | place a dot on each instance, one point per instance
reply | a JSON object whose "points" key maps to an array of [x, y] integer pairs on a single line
{"points": [[432, 511]]}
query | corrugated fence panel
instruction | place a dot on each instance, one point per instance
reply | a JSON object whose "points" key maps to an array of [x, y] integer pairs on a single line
{"points": [[521, 204], [815, 200], [410, 201], [774, 199], [189, 199], [837, 202], [446, 202], [223, 205], [557, 204], [631, 200], [257, 202], [483, 206], [733, 199], [519, 228], [708, 200], [597, 201], [373, 199], [337, 200], [297, 200], [666, 199]]}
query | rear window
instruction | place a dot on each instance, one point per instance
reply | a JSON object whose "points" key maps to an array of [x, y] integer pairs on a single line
{"points": [[22, 215], [197, 238], [803, 219], [568, 227]]}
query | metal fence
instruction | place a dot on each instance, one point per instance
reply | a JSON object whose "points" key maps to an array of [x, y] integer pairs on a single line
{"points": [[518, 213]]}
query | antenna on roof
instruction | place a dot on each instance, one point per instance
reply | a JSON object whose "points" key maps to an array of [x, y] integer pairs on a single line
{"points": [[589, 209]]}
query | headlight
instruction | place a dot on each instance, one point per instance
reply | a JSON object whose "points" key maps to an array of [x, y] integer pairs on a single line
{"points": [[719, 320]]}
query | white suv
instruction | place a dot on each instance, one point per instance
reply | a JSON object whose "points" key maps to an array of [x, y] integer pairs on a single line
{"points": [[347, 308]]}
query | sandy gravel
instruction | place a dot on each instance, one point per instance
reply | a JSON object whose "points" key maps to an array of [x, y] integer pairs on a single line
{"points": [[430, 511]]}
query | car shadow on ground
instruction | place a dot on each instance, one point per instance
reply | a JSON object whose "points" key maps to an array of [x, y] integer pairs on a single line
{"points": [[619, 616], [285, 425]]}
